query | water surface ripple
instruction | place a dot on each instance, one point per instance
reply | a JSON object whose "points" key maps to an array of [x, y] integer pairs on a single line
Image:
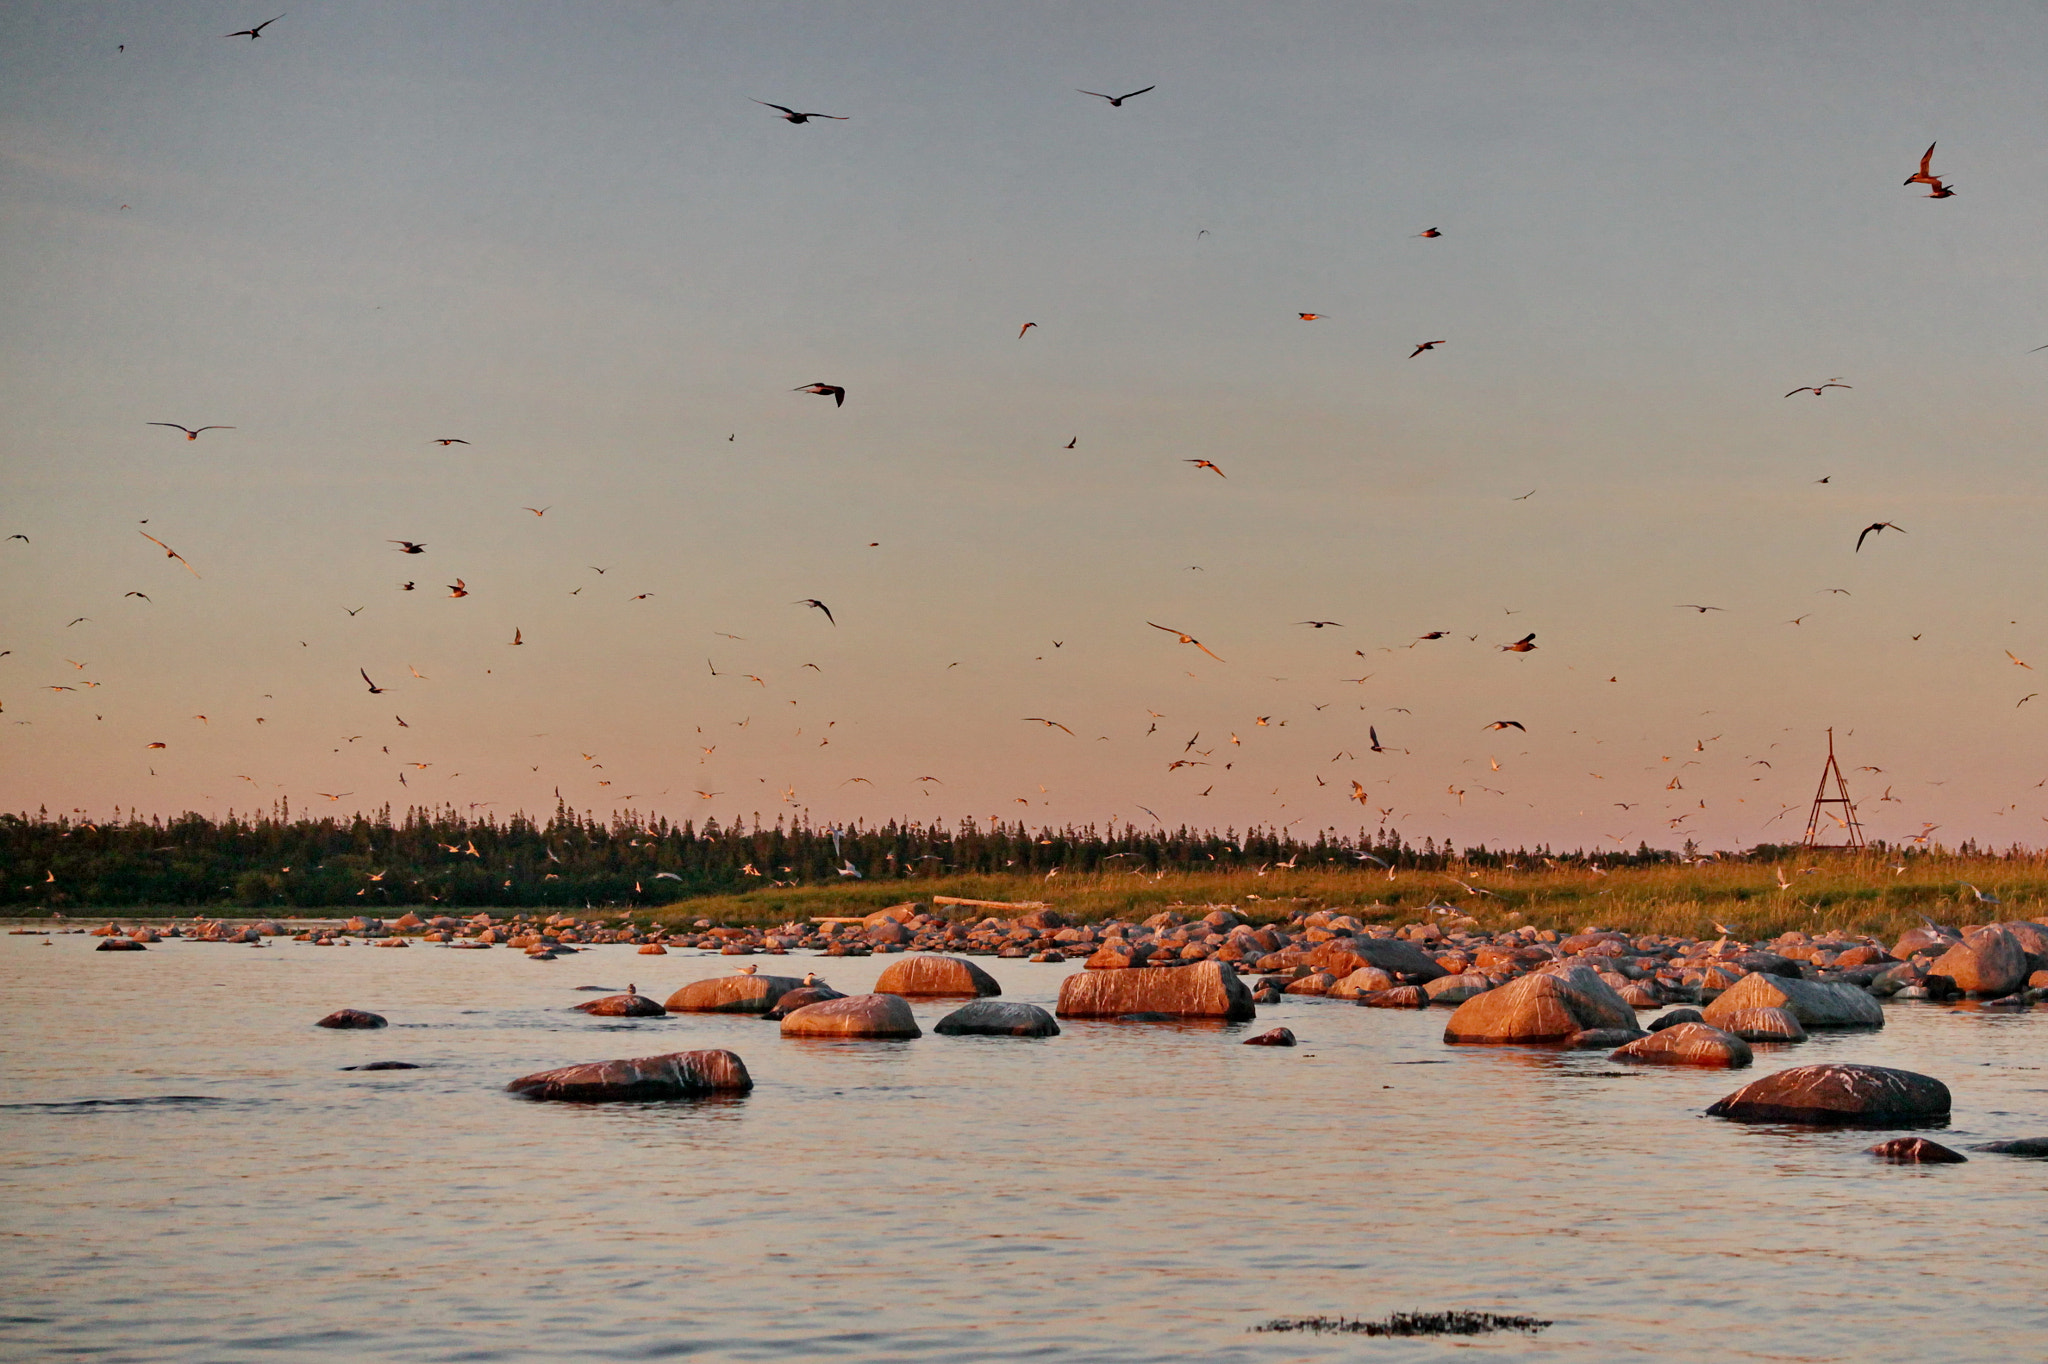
{"points": [[190, 1175]]}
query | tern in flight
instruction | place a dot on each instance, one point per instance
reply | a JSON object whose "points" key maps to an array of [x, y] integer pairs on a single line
{"points": [[169, 553], [450, 440], [1049, 724], [458, 588], [1817, 389], [1925, 175], [1522, 645], [191, 432], [257, 32], [813, 601], [1025, 328], [375, 690], [1206, 464], [1693, 606], [408, 546], [1116, 101], [1503, 724], [1312, 317], [1876, 526], [793, 116], [1319, 624], [823, 390], [1431, 232], [1423, 346], [1185, 638]]}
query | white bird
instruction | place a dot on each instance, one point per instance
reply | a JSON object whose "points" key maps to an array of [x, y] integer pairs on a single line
{"points": [[745, 970], [850, 870], [1986, 899]]}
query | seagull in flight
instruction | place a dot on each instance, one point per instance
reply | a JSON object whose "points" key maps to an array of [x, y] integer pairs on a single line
{"points": [[1319, 624], [257, 32], [192, 433], [1116, 101], [1423, 346], [1876, 526], [793, 116], [813, 601], [1692, 606], [1502, 724], [1049, 724], [1206, 464], [823, 390], [169, 553], [1817, 389], [1185, 638]]}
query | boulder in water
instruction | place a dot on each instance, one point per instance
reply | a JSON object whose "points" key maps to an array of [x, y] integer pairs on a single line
{"points": [[797, 998], [1341, 956], [352, 1018], [1815, 1003], [384, 1065], [2025, 1146], [1838, 1094], [1916, 1151], [1988, 963], [1364, 981], [924, 977], [1547, 1006], [1760, 1025], [677, 1075], [1688, 1044], [623, 1006], [1674, 1018], [853, 1016], [1603, 1039], [1278, 1037], [1205, 989], [997, 1018], [1399, 997], [737, 994], [120, 945], [1454, 990]]}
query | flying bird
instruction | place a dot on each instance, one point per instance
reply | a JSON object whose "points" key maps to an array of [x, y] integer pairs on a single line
{"points": [[408, 546], [1049, 724], [1184, 637], [252, 33], [1312, 317], [1876, 526], [1925, 175], [1506, 724], [540, 511], [458, 588], [1069, 445], [1025, 328], [1423, 346], [1430, 232], [1374, 735], [450, 440], [375, 690], [823, 390], [517, 637], [1206, 464], [192, 433], [1522, 645], [1319, 624], [1116, 101], [1692, 606], [2018, 662], [813, 601], [1817, 389], [169, 553], [793, 116], [143, 595]]}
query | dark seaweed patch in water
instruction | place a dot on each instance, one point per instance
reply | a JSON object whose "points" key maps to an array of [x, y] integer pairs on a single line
{"points": [[153, 1101], [1410, 1324]]}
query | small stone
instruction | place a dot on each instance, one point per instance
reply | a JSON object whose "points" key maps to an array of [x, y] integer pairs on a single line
{"points": [[1279, 1037], [384, 1065]]}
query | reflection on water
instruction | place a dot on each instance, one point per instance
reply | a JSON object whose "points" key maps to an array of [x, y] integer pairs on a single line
{"points": [[189, 1175]]}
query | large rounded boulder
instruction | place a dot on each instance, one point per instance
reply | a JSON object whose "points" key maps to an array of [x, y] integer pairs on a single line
{"points": [[1989, 962], [1340, 956], [798, 998], [1207, 989], [737, 994], [936, 977], [1815, 1003], [677, 1075], [1760, 1025], [1547, 1006], [1688, 1044], [853, 1016], [997, 1018], [1840, 1095]]}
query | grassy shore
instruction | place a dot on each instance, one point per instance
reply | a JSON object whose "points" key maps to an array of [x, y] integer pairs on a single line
{"points": [[1862, 894]]}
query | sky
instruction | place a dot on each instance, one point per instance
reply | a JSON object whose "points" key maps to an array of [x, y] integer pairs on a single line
{"points": [[565, 236]]}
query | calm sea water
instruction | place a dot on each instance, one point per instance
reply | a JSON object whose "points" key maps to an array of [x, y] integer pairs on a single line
{"points": [[189, 1175]]}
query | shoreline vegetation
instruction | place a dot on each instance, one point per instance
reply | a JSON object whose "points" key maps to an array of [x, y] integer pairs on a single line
{"points": [[670, 875]]}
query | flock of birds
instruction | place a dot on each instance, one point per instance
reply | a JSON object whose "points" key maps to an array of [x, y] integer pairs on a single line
{"points": [[1191, 756]]}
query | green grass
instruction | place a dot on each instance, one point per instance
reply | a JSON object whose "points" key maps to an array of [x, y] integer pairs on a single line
{"points": [[1861, 894]]}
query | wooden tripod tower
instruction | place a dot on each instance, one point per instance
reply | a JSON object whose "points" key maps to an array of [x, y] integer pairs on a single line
{"points": [[1821, 799]]}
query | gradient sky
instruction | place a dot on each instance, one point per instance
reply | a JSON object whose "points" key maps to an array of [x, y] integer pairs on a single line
{"points": [[563, 234]]}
